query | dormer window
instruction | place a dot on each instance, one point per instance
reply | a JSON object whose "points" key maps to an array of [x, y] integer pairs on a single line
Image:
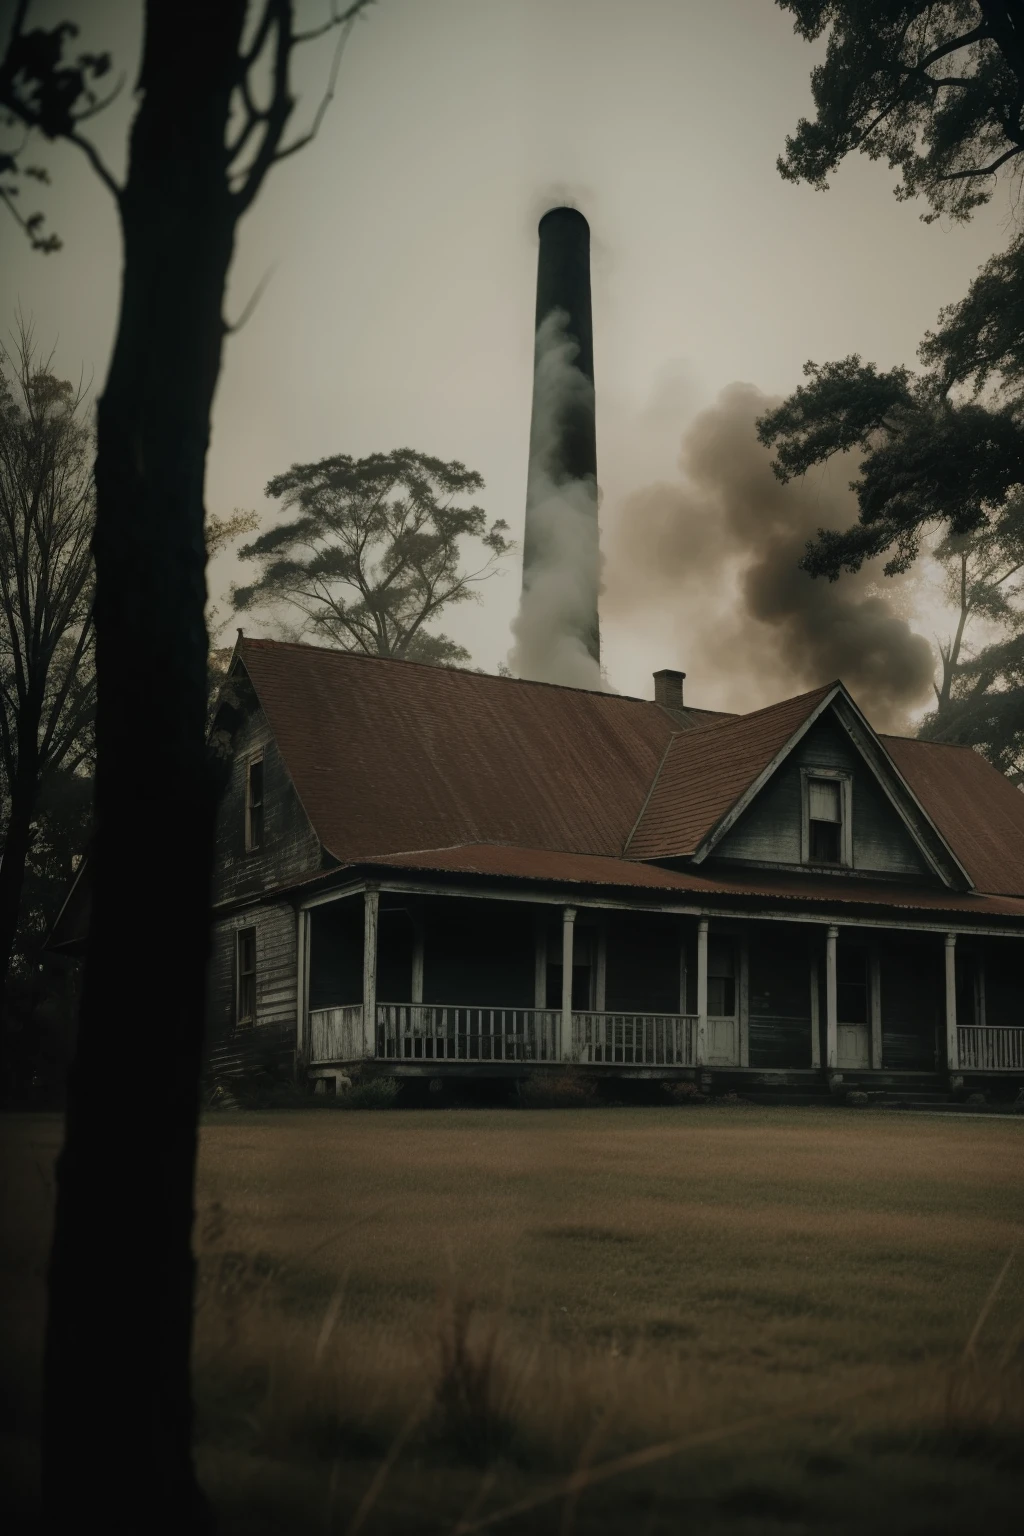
{"points": [[827, 833], [254, 804]]}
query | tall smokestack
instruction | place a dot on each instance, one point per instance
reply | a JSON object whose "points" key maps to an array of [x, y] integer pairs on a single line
{"points": [[560, 543]]}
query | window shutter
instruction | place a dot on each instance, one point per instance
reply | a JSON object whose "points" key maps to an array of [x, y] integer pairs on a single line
{"points": [[824, 800]]}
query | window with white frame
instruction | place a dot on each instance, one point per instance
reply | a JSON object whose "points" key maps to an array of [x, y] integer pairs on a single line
{"points": [[827, 832], [245, 976], [254, 803]]}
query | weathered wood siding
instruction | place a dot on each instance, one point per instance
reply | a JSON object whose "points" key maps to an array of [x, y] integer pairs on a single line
{"points": [[769, 831], [912, 983], [268, 1045], [779, 999], [290, 846]]}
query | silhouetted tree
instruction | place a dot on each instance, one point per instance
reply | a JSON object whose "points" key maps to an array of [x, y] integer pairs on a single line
{"points": [[980, 695], [373, 554], [930, 459], [214, 102], [47, 679], [937, 90], [935, 87]]}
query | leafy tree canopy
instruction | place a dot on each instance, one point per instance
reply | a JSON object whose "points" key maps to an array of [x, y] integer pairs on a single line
{"points": [[980, 698], [372, 555], [935, 89], [928, 458], [938, 89]]}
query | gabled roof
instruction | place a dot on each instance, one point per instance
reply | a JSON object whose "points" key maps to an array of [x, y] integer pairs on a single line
{"points": [[705, 773], [387, 755], [709, 777], [980, 811]]}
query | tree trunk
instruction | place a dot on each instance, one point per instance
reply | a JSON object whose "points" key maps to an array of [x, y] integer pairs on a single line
{"points": [[121, 1278]]}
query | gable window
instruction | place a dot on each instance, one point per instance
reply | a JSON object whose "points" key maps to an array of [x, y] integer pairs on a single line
{"points": [[245, 976], [825, 818], [254, 804], [827, 833], [721, 979]]}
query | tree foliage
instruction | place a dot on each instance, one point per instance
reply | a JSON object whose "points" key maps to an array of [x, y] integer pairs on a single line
{"points": [[980, 694], [41, 88], [929, 458], [937, 90], [47, 678], [943, 446], [934, 87], [373, 554]]}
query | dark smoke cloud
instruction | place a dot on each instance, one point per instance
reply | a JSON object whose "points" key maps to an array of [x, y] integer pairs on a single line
{"points": [[721, 547]]}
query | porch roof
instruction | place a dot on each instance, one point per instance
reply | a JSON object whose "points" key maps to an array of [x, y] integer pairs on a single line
{"points": [[502, 862]]}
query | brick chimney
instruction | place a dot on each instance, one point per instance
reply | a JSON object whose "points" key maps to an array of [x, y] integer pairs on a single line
{"points": [[668, 688]]}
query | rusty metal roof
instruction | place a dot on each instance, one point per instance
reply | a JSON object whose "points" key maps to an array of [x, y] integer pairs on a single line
{"points": [[387, 755], [390, 756], [980, 813], [568, 869], [704, 772]]}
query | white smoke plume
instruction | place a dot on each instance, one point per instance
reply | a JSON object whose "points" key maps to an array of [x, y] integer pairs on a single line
{"points": [[718, 550], [557, 602]]}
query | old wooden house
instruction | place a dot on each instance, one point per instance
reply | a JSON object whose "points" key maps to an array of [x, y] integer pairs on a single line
{"points": [[434, 872]]}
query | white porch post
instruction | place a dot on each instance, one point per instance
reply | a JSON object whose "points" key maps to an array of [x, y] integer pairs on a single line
{"points": [[701, 1052], [875, 976], [831, 1000], [417, 960], [601, 968], [371, 904], [302, 991], [568, 933], [815, 1015], [952, 1046], [540, 961]]}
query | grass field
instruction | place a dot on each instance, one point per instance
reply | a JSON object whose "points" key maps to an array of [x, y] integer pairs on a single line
{"points": [[721, 1320]]}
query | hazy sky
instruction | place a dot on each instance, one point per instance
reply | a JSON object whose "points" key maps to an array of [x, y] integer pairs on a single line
{"points": [[401, 249]]}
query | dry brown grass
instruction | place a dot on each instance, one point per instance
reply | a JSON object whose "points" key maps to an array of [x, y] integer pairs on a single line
{"points": [[728, 1320]]}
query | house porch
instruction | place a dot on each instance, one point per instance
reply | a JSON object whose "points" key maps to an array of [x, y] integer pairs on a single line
{"points": [[411, 983]]}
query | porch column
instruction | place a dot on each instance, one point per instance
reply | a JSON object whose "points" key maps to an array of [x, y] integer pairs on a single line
{"points": [[540, 960], [302, 990], [601, 968], [568, 933], [417, 960], [371, 904], [701, 1051], [831, 1000], [952, 1045]]}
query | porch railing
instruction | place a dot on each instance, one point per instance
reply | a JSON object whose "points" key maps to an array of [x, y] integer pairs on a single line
{"points": [[336, 1034], [649, 1039], [985, 1048], [435, 1032], [440, 1032]]}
